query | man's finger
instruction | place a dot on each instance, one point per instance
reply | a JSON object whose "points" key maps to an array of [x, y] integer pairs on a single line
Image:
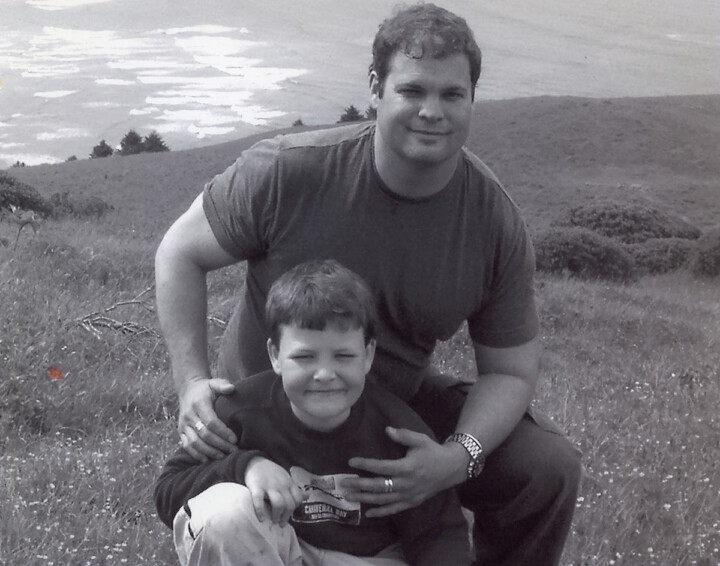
{"points": [[378, 467], [221, 386], [370, 485], [373, 498], [208, 417], [409, 438], [199, 456], [216, 433], [197, 445]]}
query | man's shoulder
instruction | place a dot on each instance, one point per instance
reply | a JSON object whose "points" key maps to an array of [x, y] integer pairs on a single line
{"points": [[488, 186], [479, 166], [324, 137]]}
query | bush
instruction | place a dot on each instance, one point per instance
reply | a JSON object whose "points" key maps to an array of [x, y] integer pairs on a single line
{"points": [[351, 114], [153, 143], [582, 253], [102, 149], [131, 143], [78, 206], [629, 223], [660, 255], [706, 260], [15, 193]]}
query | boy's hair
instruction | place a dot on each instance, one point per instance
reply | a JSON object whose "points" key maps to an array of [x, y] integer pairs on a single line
{"points": [[424, 30], [317, 293]]}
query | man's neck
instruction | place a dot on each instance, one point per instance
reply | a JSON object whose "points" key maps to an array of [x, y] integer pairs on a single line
{"points": [[412, 180]]}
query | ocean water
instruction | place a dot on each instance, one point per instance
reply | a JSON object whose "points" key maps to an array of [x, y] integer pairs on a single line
{"points": [[74, 72]]}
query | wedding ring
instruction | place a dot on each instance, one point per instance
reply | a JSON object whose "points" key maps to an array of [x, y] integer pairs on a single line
{"points": [[388, 485], [198, 426]]}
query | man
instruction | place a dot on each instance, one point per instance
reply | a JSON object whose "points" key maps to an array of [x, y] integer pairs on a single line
{"points": [[429, 227]]}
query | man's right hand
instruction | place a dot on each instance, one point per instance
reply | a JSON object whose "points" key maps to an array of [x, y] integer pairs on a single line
{"points": [[202, 434]]}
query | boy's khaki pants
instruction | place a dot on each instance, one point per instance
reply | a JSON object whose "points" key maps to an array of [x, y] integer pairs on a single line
{"points": [[223, 530]]}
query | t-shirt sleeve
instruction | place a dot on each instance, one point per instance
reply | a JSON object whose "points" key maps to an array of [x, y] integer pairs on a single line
{"points": [[508, 315], [240, 202]]}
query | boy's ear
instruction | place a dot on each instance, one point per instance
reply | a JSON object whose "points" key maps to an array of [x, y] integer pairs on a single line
{"points": [[273, 355], [369, 355]]}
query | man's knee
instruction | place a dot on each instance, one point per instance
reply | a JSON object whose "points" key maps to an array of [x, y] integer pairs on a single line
{"points": [[537, 467], [558, 474]]}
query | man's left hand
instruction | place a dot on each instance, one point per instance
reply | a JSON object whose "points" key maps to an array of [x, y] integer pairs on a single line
{"points": [[427, 468]]}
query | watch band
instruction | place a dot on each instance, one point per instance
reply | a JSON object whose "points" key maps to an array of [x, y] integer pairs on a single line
{"points": [[474, 448]]}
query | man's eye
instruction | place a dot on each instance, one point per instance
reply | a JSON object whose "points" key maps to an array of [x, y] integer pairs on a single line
{"points": [[346, 356]]}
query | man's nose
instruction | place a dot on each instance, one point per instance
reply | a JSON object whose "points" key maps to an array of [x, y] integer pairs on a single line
{"points": [[431, 109]]}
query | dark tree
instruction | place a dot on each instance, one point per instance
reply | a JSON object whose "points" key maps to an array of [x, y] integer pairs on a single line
{"points": [[351, 114], [298, 122], [153, 143], [132, 143], [102, 150], [371, 113]]}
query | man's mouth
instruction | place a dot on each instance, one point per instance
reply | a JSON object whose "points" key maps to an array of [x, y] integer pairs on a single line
{"points": [[429, 132]]}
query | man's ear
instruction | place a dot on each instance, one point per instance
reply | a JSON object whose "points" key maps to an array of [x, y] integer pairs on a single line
{"points": [[369, 355], [375, 89], [273, 355]]}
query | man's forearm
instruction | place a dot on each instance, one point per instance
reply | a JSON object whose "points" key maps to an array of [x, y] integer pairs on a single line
{"points": [[181, 291], [494, 406]]}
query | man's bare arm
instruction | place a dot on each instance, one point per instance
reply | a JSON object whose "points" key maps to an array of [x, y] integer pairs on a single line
{"points": [[502, 393], [186, 254]]}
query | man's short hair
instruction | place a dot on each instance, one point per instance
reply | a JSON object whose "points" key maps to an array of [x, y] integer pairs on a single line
{"points": [[317, 293], [424, 30]]}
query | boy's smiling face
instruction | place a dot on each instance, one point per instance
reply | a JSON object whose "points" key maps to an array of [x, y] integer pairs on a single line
{"points": [[323, 371]]}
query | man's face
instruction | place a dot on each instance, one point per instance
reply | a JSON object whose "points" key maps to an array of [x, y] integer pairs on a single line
{"points": [[423, 115], [323, 372]]}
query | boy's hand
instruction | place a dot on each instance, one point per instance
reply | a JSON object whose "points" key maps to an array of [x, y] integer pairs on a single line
{"points": [[273, 491]]}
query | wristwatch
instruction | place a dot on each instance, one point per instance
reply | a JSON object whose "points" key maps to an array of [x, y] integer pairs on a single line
{"points": [[474, 448]]}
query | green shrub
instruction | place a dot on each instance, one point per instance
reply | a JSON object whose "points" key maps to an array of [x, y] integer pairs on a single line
{"points": [[78, 206], [582, 253], [16, 193], [630, 223], [660, 255], [706, 260]]}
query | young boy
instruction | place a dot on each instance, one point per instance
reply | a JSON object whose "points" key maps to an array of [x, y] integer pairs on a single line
{"points": [[278, 498]]}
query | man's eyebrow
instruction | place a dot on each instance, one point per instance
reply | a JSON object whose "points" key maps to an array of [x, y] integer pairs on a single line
{"points": [[409, 83]]}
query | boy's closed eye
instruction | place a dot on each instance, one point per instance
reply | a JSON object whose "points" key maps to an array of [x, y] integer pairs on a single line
{"points": [[301, 357]]}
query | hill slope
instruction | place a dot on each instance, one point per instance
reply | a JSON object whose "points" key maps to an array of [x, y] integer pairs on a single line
{"points": [[550, 152]]}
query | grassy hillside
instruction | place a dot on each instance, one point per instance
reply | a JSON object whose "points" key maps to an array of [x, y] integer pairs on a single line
{"points": [[548, 151], [632, 372]]}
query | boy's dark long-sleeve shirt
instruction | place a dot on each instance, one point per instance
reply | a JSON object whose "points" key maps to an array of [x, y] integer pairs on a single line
{"points": [[259, 413]]}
